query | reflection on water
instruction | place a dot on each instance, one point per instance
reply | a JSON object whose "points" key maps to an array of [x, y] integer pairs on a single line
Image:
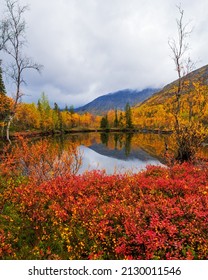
{"points": [[120, 151], [116, 152], [94, 160]]}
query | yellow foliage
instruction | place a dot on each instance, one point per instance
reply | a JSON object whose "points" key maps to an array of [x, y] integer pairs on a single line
{"points": [[27, 116]]}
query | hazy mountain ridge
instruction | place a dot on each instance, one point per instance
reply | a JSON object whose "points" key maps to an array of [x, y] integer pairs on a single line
{"points": [[137, 98], [116, 100]]}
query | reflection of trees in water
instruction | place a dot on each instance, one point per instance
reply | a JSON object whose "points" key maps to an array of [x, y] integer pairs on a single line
{"points": [[104, 137], [120, 140], [116, 138], [128, 140], [154, 144]]}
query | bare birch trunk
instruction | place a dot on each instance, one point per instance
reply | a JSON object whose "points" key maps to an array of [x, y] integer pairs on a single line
{"points": [[8, 129]]}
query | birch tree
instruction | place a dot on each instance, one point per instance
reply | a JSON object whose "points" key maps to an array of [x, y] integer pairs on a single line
{"points": [[12, 42], [189, 134]]}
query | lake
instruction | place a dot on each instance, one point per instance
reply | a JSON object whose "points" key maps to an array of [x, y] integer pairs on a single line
{"points": [[113, 152], [121, 152], [118, 152]]}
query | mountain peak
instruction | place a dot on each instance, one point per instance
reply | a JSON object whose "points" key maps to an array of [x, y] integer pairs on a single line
{"points": [[116, 100]]}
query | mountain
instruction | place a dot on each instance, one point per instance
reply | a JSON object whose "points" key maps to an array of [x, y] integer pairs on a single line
{"points": [[157, 112], [116, 100], [160, 97]]}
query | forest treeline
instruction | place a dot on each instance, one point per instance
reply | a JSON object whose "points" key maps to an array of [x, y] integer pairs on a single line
{"points": [[44, 117]]}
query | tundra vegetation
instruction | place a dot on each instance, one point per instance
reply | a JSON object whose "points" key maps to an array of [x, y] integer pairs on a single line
{"points": [[48, 211]]}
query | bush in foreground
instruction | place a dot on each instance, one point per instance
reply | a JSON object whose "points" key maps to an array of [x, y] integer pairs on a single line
{"points": [[161, 213]]}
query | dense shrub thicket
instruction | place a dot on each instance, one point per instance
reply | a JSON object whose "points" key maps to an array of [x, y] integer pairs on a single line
{"points": [[160, 213]]}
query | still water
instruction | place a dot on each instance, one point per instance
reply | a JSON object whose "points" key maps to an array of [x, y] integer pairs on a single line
{"points": [[111, 164], [118, 152]]}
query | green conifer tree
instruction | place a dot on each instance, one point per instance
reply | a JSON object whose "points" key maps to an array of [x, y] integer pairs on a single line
{"points": [[104, 122], [116, 122], [2, 87], [128, 115]]}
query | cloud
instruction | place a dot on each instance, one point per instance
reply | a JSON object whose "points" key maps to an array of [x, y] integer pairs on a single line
{"points": [[89, 48]]}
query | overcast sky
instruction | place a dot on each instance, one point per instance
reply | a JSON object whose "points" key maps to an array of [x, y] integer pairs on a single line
{"points": [[92, 47]]}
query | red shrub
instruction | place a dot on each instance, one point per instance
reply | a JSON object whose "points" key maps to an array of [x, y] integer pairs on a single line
{"points": [[160, 213]]}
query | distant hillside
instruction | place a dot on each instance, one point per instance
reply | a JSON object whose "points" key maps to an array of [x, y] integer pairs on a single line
{"points": [[160, 97], [156, 113], [117, 100]]}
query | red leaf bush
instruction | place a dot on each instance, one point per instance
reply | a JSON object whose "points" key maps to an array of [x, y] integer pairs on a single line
{"points": [[160, 213]]}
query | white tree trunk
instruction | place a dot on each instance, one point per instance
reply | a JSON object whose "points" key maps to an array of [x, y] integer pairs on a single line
{"points": [[8, 128]]}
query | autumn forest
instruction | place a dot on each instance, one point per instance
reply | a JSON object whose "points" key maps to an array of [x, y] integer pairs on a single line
{"points": [[49, 211]]}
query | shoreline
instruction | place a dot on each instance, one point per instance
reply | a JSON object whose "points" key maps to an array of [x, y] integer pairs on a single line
{"points": [[31, 134]]}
